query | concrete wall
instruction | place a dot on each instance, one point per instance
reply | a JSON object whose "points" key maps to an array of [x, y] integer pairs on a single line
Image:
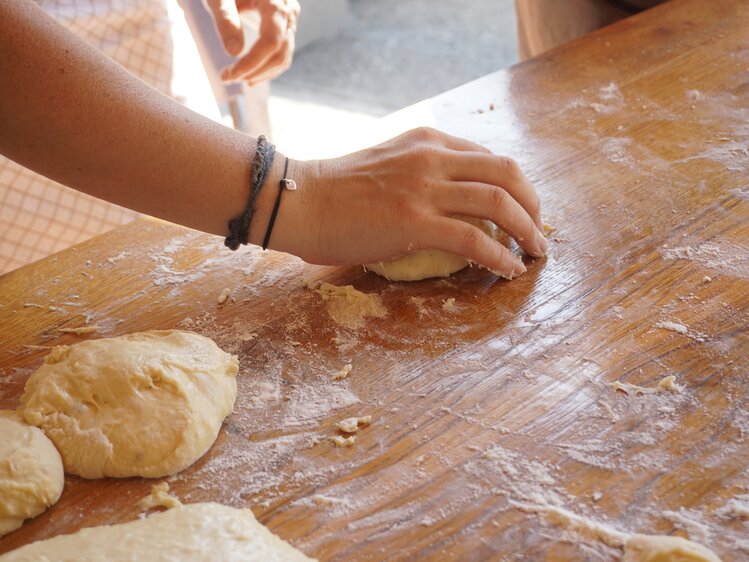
{"points": [[321, 19]]}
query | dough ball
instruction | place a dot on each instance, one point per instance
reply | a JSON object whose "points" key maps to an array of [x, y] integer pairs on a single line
{"points": [[31, 476], [427, 263], [190, 533], [145, 404]]}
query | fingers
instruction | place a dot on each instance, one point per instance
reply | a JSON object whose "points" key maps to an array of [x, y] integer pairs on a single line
{"points": [[271, 53], [463, 239], [497, 205], [228, 24], [500, 171], [275, 65]]}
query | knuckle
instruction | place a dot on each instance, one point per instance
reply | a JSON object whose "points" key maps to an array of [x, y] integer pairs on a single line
{"points": [[425, 156], [471, 239], [498, 198], [425, 134], [508, 166]]}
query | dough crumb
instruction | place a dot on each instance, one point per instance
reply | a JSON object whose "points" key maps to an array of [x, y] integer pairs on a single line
{"points": [[706, 279], [448, 305], [349, 307], [118, 257], [79, 331], [597, 496], [669, 383], [674, 327], [344, 342], [224, 295], [352, 425], [548, 229], [666, 384], [611, 413], [248, 336], [341, 441], [323, 500], [343, 373], [159, 497]]}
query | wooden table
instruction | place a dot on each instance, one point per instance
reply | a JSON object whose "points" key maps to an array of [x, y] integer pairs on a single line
{"points": [[636, 138]]}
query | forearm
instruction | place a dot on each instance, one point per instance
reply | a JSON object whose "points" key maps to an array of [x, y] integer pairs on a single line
{"points": [[70, 113]]}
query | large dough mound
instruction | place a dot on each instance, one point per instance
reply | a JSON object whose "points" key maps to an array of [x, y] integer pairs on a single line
{"points": [[190, 533], [31, 476], [426, 263], [145, 404]]}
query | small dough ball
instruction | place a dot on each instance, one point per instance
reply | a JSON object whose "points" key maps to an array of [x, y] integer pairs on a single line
{"points": [[427, 263], [31, 475], [145, 404]]}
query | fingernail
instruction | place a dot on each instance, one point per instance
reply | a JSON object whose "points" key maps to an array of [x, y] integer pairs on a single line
{"points": [[543, 246], [517, 271]]}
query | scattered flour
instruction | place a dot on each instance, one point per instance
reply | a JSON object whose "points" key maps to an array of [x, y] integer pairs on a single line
{"points": [[674, 327], [309, 402], [418, 302], [729, 258], [689, 522], [636, 547], [737, 508]]}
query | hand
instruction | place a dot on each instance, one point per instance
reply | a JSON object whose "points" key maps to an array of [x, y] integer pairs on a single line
{"points": [[272, 52], [400, 196]]}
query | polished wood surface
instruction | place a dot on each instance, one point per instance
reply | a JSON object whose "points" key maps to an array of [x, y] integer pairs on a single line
{"points": [[636, 138]]}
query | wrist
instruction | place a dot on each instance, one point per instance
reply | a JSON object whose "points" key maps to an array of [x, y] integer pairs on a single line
{"points": [[295, 219]]}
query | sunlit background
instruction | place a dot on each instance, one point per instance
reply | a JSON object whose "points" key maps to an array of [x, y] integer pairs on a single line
{"points": [[360, 60]]}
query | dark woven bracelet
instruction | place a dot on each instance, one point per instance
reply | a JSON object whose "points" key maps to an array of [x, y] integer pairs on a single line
{"points": [[283, 185], [239, 227]]}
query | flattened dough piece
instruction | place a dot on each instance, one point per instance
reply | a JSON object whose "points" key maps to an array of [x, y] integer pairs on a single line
{"points": [[145, 404], [190, 533], [31, 475], [427, 263]]}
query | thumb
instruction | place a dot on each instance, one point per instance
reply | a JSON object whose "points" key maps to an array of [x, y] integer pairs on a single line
{"points": [[228, 24]]}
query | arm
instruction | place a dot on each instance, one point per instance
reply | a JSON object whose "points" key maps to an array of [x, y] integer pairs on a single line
{"points": [[73, 115]]}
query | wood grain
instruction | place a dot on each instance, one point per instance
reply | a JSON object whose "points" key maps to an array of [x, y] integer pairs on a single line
{"points": [[637, 139]]}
